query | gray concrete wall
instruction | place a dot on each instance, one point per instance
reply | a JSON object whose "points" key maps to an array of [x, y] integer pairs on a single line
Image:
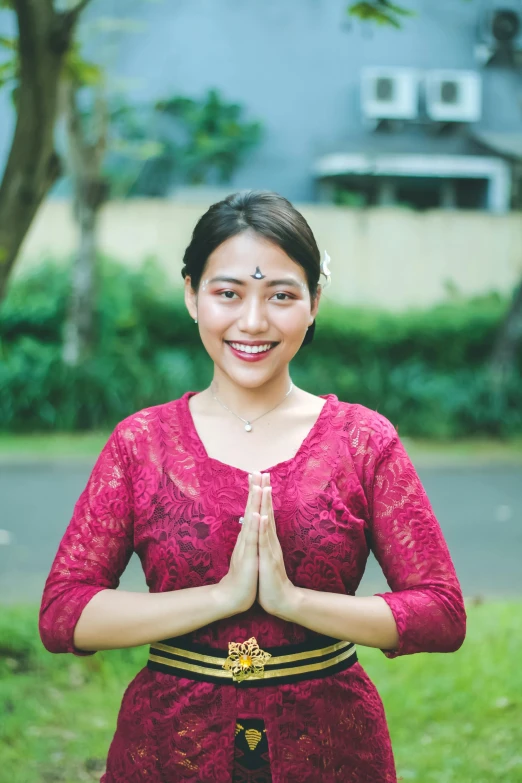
{"points": [[294, 64]]}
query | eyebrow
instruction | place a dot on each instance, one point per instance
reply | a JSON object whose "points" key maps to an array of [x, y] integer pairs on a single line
{"points": [[232, 280], [271, 283], [284, 281]]}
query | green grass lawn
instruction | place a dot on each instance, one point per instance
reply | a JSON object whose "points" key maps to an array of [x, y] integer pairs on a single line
{"points": [[87, 445], [453, 718], [52, 445]]}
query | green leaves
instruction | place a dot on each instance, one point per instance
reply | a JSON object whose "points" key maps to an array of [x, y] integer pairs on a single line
{"points": [[10, 68], [81, 71], [9, 43], [178, 141], [381, 12], [6, 73], [215, 136]]}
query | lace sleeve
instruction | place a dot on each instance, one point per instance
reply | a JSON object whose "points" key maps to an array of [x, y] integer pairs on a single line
{"points": [[93, 552], [426, 599]]}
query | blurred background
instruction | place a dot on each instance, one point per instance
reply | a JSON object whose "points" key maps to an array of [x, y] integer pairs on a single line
{"points": [[397, 129]]}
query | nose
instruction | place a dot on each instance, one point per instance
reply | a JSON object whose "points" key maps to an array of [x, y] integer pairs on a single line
{"points": [[253, 318]]}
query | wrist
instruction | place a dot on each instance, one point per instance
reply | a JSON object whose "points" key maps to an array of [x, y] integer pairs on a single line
{"points": [[225, 603], [288, 608]]}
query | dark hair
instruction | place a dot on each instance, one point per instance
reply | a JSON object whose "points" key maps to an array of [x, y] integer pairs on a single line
{"points": [[268, 214]]}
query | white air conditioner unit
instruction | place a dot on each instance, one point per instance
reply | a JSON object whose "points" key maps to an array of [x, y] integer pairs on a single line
{"points": [[453, 96], [390, 93]]}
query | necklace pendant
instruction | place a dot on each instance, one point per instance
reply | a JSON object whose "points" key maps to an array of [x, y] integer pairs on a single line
{"points": [[248, 427]]}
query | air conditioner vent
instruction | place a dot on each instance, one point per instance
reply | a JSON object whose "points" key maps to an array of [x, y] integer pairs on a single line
{"points": [[449, 92], [385, 89], [390, 93], [453, 96]]}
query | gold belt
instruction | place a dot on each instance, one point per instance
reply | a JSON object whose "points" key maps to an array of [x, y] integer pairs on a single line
{"points": [[247, 664]]}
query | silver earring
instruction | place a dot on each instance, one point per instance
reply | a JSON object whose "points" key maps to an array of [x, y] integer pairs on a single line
{"points": [[195, 320]]}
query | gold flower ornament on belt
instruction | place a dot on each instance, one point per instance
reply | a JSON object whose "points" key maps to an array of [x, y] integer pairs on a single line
{"points": [[246, 659]]}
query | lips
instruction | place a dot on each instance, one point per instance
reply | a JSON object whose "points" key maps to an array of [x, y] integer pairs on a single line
{"points": [[253, 351]]}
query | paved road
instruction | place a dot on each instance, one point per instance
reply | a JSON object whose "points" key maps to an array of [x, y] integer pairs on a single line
{"points": [[479, 509]]}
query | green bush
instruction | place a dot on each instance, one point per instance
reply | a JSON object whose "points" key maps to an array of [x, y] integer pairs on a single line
{"points": [[425, 370]]}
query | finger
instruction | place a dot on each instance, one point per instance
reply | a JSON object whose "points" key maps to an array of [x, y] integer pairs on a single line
{"points": [[256, 478], [250, 498], [272, 530], [271, 517], [255, 505], [267, 507], [264, 543], [263, 540], [245, 533], [252, 535], [265, 479], [247, 512], [265, 501], [261, 534]]}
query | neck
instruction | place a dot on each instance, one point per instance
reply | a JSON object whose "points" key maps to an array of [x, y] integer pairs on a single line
{"points": [[250, 402]]}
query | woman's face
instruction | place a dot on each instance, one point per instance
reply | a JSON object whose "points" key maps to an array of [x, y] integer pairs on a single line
{"points": [[253, 308]]}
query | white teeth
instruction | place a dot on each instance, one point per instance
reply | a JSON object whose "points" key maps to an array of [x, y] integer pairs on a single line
{"points": [[251, 348]]}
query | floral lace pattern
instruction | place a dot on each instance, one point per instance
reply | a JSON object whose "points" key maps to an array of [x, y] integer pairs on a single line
{"points": [[350, 487]]}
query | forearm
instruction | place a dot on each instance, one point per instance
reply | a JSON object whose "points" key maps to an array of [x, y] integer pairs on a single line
{"points": [[367, 620], [114, 618]]}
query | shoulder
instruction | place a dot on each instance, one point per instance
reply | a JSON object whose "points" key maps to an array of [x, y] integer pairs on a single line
{"points": [[145, 425], [365, 429]]}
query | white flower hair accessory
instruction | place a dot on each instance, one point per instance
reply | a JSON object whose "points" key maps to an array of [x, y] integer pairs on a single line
{"points": [[325, 269]]}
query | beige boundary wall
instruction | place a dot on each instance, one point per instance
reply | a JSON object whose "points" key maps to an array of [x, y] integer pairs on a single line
{"points": [[385, 257]]}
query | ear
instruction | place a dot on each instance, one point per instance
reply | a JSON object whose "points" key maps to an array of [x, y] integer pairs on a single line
{"points": [[315, 305], [191, 298]]}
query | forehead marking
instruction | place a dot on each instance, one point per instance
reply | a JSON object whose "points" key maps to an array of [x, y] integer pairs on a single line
{"points": [[258, 275]]}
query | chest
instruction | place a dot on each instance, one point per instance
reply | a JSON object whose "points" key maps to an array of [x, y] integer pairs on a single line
{"points": [[186, 532], [268, 443]]}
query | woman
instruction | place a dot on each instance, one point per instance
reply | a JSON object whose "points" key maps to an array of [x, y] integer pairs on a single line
{"points": [[252, 616]]}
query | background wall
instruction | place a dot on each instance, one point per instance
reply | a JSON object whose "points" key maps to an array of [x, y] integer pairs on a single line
{"points": [[295, 65], [391, 258]]}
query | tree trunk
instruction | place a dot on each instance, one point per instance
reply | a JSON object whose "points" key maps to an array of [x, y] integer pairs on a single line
{"points": [[78, 330], [33, 165], [84, 159], [508, 342]]}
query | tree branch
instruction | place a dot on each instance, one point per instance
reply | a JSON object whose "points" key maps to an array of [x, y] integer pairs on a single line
{"points": [[67, 21], [72, 15], [32, 164], [509, 337]]}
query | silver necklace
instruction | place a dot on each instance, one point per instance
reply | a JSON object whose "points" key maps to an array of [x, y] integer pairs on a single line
{"points": [[248, 423]]}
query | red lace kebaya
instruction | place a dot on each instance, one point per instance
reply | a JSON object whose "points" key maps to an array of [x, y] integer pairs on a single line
{"points": [[351, 487]]}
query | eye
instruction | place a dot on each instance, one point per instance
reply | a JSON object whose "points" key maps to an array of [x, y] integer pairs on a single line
{"points": [[281, 297], [227, 294]]}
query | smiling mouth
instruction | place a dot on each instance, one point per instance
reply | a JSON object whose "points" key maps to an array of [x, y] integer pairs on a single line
{"points": [[248, 348]]}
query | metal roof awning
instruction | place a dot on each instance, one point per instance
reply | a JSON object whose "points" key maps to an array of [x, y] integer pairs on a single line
{"points": [[384, 166], [415, 165], [507, 144]]}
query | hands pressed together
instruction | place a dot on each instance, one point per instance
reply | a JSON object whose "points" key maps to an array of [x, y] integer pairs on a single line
{"points": [[257, 568], [257, 571]]}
